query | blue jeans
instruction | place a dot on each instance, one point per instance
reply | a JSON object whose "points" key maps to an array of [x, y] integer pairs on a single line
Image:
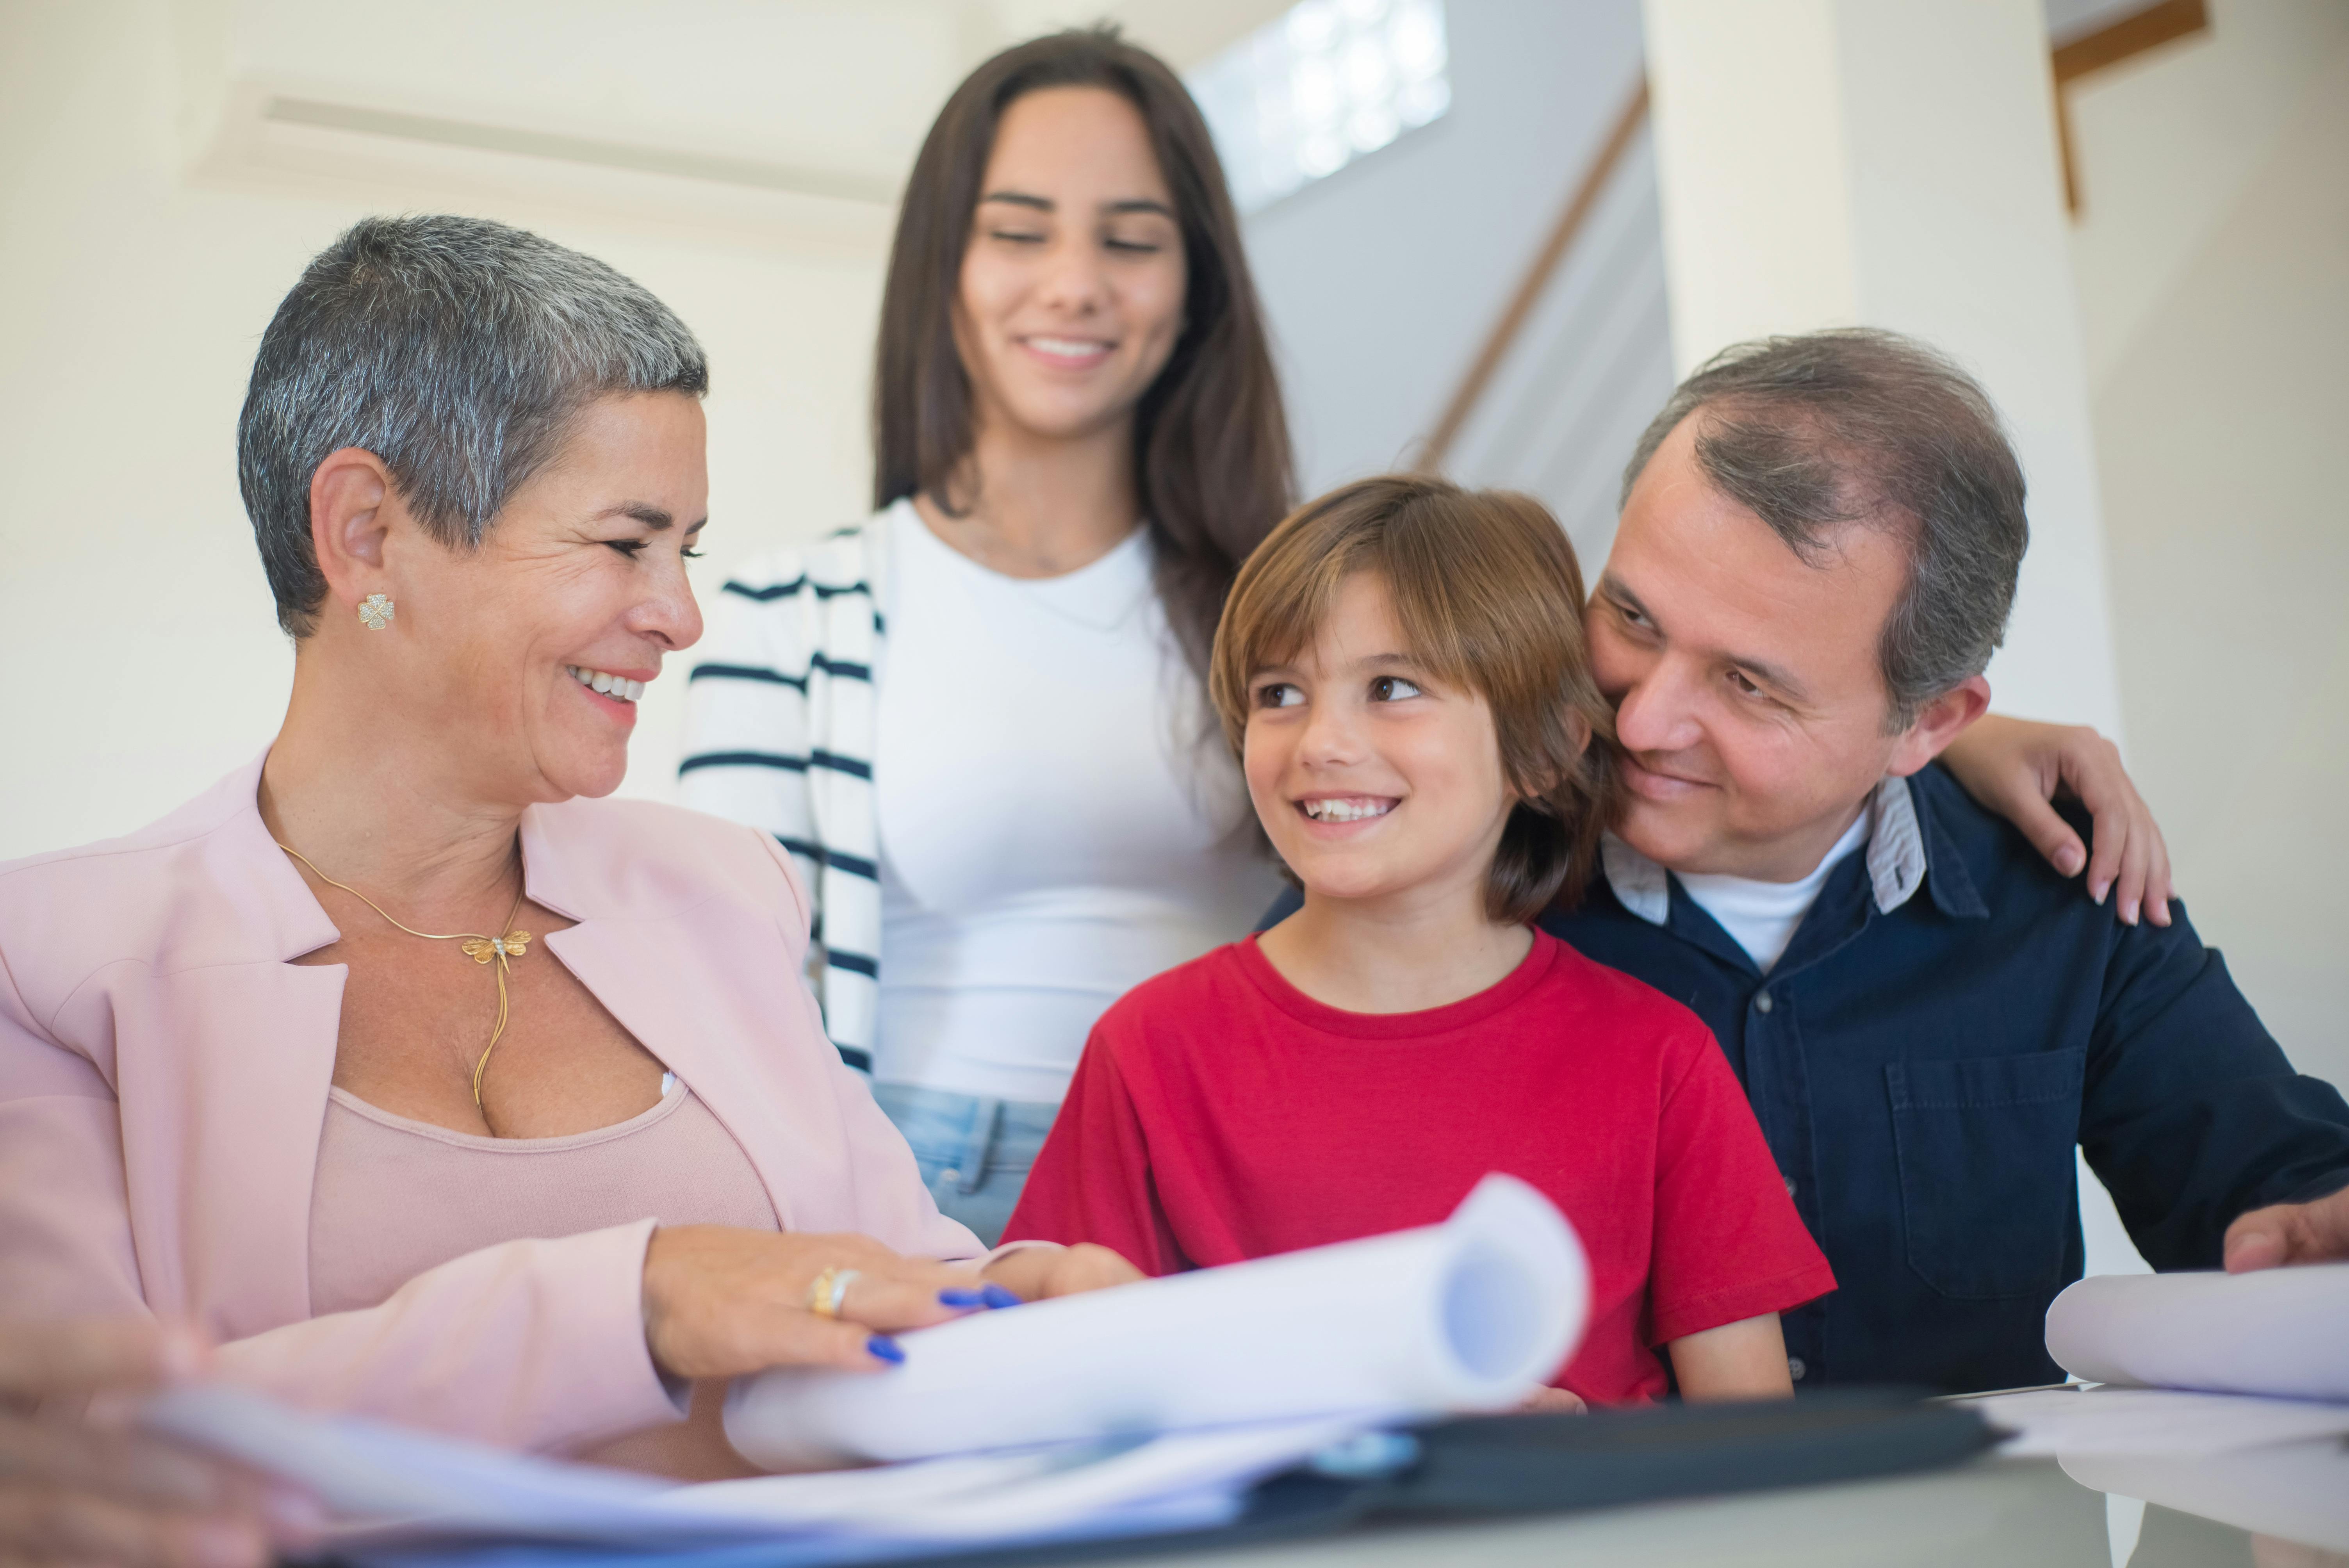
{"points": [[975, 1153]]}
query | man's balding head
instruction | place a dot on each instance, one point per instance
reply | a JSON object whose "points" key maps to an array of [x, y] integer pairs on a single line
{"points": [[1817, 554], [1816, 433]]}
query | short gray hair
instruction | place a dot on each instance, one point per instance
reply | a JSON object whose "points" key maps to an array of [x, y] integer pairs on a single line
{"points": [[1863, 426], [455, 349]]}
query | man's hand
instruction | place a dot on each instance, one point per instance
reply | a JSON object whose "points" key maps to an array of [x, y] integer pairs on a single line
{"points": [[2311, 1232]]}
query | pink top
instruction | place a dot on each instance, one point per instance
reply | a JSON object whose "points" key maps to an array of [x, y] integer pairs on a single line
{"points": [[166, 1070], [395, 1197]]}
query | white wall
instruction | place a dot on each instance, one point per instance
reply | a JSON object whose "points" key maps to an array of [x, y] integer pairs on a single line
{"points": [[1893, 163], [2164, 144], [2216, 271], [143, 247], [132, 608]]}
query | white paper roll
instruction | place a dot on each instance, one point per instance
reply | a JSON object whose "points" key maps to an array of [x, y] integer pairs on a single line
{"points": [[2284, 1331], [1471, 1315]]}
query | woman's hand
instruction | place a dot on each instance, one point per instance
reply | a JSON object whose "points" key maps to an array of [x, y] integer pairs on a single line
{"points": [[1035, 1274], [2015, 768], [721, 1302], [88, 1493]]}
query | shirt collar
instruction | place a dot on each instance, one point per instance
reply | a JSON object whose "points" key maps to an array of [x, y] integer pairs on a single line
{"points": [[1896, 860]]}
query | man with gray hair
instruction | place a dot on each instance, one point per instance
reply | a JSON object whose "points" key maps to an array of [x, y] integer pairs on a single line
{"points": [[1817, 553]]}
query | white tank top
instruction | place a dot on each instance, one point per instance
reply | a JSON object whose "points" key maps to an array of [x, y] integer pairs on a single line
{"points": [[1058, 818]]}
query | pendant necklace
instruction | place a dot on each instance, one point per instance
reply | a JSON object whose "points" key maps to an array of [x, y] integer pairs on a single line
{"points": [[480, 949]]}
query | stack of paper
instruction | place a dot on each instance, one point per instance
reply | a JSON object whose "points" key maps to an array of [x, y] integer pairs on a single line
{"points": [[1150, 1408], [395, 1491], [2152, 1421], [2189, 1364], [2222, 1395]]}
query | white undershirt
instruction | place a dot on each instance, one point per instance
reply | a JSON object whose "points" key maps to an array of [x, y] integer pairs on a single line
{"points": [[1762, 915], [1057, 818]]}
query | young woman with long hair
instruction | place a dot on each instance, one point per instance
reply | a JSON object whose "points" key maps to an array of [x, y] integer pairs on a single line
{"points": [[976, 719]]}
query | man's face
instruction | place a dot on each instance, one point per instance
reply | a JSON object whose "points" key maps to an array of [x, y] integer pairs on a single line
{"points": [[1746, 684]]}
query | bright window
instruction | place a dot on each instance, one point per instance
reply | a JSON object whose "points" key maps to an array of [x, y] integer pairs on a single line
{"points": [[1303, 95]]}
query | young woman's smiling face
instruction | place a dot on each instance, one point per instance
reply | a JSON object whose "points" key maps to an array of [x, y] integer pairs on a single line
{"points": [[1375, 780], [1072, 282]]}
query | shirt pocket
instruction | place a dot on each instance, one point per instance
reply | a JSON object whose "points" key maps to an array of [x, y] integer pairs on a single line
{"points": [[1986, 1169]]}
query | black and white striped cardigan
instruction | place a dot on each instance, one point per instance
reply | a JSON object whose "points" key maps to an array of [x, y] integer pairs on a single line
{"points": [[779, 735]]}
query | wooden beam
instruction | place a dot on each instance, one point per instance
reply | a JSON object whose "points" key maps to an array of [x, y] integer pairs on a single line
{"points": [[1504, 336], [2133, 34], [2125, 40]]}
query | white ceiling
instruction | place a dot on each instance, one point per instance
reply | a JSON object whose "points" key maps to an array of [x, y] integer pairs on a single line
{"points": [[1182, 32], [779, 119]]}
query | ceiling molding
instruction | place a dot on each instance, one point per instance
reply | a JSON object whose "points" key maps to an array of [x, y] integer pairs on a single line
{"points": [[637, 158]]}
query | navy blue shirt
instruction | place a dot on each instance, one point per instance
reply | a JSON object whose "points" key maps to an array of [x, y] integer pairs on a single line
{"points": [[1922, 1077]]}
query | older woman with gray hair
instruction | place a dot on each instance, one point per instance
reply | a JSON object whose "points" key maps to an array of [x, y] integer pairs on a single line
{"points": [[430, 1084]]}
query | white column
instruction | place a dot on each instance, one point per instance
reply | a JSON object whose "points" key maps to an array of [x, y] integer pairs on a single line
{"points": [[1893, 163]]}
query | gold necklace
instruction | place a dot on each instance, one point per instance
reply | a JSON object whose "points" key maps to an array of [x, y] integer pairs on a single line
{"points": [[480, 949]]}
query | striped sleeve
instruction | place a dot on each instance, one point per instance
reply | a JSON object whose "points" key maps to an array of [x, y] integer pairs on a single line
{"points": [[841, 598], [746, 726], [780, 736]]}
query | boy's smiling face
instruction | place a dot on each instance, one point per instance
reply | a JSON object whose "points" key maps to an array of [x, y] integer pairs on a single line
{"points": [[1375, 781]]}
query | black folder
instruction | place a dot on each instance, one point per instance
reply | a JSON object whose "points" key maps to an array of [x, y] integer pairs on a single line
{"points": [[1490, 1466]]}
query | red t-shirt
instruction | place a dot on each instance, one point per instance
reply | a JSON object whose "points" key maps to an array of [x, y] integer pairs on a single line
{"points": [[1220, 1113]]}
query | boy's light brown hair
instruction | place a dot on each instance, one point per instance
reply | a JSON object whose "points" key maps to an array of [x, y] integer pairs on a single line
{"points": [[1489, 599]]}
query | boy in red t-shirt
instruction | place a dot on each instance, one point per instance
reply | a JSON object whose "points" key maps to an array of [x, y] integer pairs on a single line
{"points": [[1400, 667]]}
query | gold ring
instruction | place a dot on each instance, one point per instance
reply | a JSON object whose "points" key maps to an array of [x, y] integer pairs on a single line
{"points": [[828, 1290]]}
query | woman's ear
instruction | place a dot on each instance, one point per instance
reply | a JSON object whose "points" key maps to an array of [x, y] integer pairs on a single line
{"points": [[350, 498]]}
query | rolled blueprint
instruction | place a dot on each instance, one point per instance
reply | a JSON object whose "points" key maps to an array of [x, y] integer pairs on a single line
{"points": [[2282, 1332], [1470, 1314]]}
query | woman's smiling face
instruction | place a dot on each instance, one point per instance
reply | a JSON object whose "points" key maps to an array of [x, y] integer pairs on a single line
{"points": [[1072, 281], [522, 660], [1373, 779]]}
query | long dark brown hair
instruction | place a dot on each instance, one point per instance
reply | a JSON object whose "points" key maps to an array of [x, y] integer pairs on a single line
{"points": [[1210, 443]]}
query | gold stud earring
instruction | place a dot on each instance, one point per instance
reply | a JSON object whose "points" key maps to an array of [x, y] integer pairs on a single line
{"points": [[375, 610]]}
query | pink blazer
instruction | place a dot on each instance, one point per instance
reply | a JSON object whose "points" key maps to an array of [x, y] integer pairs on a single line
{"points": [[163, 1077]]}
